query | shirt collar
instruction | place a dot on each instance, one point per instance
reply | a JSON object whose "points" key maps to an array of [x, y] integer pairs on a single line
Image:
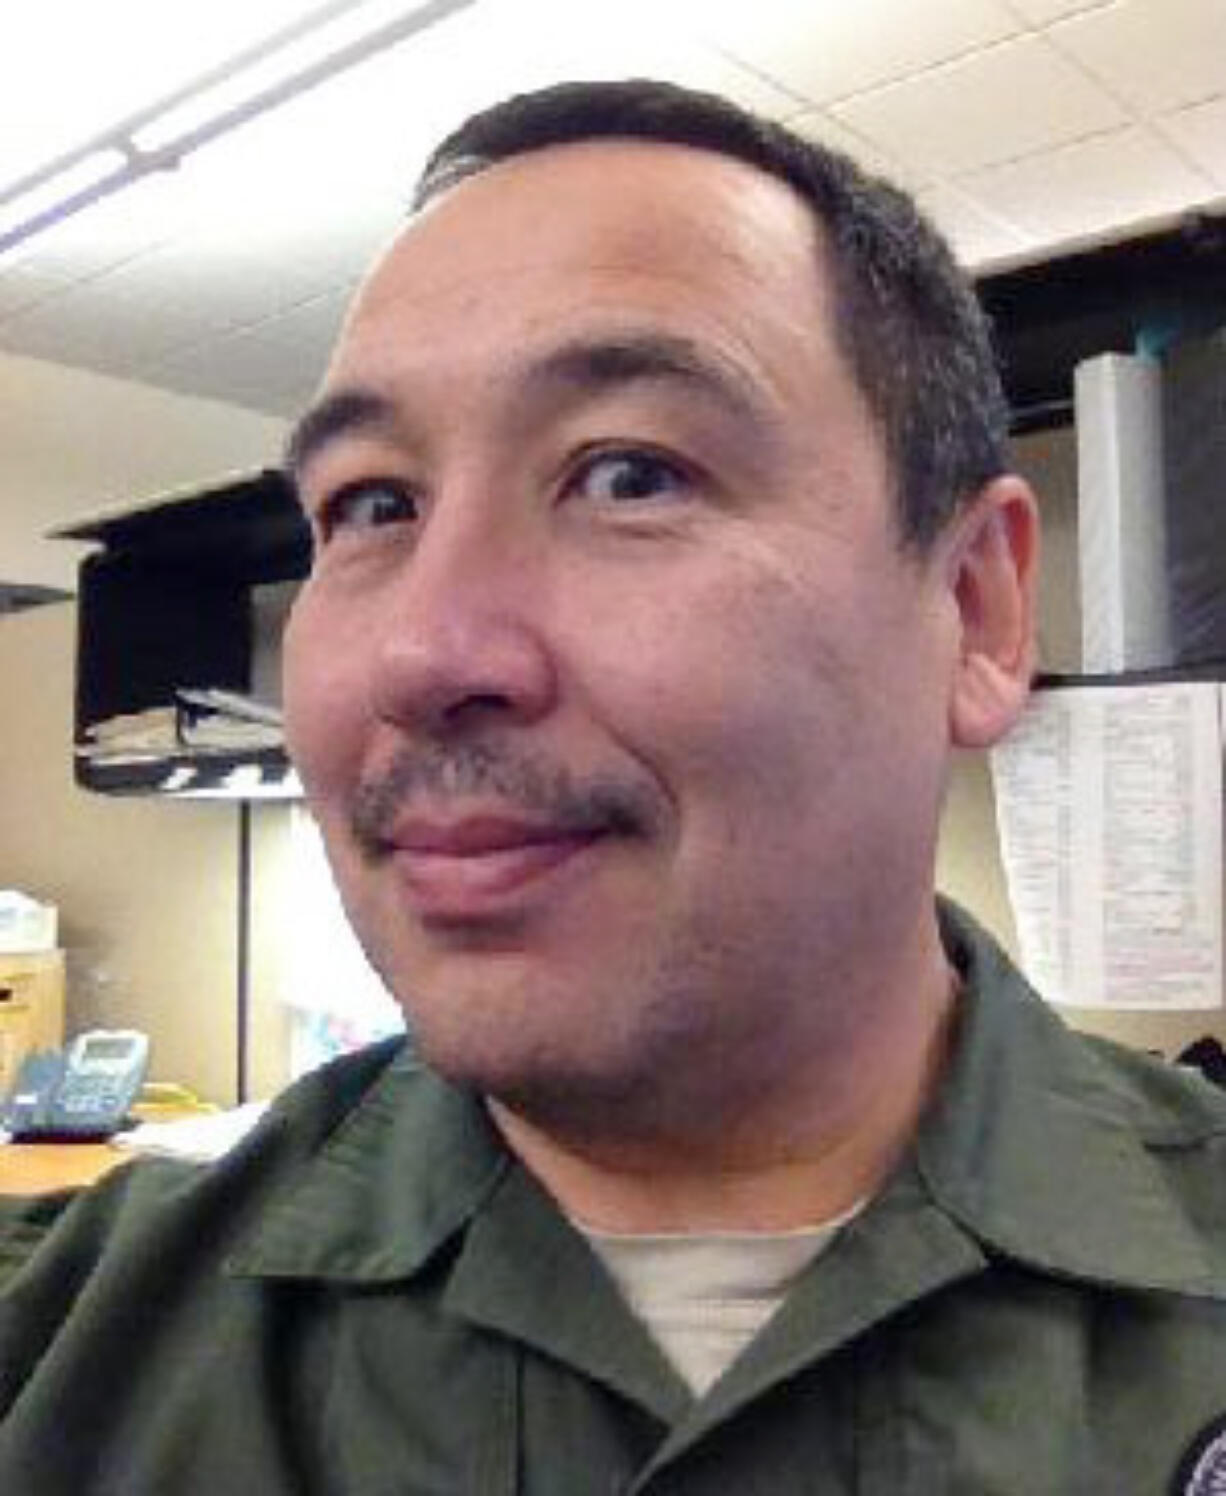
{"points": [[1059, 1151], [407, 1169], [1044, 1147], [417, 1165]]}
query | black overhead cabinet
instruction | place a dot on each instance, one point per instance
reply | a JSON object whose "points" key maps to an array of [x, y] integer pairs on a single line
{"points": [[167, 617]]}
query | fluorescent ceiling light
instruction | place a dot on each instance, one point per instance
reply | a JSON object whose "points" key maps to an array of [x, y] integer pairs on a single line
{"points": [[329, 40], [333, 43], [80, 181], [70, 69]]}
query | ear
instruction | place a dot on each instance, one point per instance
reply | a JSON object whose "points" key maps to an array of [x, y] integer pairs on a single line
{"points": [[991, 570]]}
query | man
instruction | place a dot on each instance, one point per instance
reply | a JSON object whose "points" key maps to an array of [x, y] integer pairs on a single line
{"points": [[665, 549]]}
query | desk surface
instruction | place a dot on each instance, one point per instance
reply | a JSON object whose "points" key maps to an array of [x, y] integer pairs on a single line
{"points": [[39, 1168]]}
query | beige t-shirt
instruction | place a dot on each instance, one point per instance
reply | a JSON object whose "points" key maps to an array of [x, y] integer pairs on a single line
{"points": [[704, 1297]]}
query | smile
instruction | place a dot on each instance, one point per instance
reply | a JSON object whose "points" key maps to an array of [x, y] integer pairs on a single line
{"points": [[481, 867]]}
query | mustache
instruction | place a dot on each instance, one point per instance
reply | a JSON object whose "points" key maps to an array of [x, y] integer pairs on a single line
{"points": [[541, 789]]}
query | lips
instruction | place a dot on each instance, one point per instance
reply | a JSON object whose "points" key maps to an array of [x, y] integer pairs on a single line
{"points": [[480, 866], [475, 837]]}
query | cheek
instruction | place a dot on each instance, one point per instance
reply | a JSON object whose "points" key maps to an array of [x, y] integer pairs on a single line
{"points": [[726, 683], [325, 696], [789, 695]]}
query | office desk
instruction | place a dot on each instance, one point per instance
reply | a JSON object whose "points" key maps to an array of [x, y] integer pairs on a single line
{"points": [[39, 1168]]}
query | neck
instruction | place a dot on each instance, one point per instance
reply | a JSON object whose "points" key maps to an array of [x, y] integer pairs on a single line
{"points": [[807, 1151]]}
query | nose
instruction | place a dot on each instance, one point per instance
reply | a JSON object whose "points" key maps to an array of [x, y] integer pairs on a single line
{"points": [[463, 633]]}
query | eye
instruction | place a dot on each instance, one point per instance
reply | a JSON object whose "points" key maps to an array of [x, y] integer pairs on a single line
{"points": [[627, 474], [367, 504]]}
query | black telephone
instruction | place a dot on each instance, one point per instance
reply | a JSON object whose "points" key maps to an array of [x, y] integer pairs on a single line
{"points": [[78, 1095]]}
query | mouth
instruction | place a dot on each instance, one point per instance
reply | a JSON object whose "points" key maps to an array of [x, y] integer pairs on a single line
{"points": [[482, 866]]}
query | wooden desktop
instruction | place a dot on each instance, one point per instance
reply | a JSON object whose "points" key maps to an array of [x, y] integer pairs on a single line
{"points": [[41, 1168]]}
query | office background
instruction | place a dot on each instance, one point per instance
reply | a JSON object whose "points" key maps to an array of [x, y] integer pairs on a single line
{"points": [[162, 337]]}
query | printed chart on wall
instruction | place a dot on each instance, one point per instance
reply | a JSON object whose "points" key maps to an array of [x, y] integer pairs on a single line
{"points": [[1109, 802]]}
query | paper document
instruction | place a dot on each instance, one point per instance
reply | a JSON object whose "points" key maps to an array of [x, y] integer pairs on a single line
{"points": [[1109, 802], [202, 1138], [197, 722]]}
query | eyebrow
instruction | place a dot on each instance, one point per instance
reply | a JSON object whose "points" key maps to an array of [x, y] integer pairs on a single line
{"points": [[607, 362], [344, 412], [584, 365]]}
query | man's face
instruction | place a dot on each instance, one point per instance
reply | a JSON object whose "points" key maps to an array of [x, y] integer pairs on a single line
{"points": [[623, 713]]}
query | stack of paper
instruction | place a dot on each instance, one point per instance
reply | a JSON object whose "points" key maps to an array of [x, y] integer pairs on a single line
{"points": [[201, 1138], [198, 721]]}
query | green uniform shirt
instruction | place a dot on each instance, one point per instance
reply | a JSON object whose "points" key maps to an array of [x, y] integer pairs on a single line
{"points": [[369, 1297]]}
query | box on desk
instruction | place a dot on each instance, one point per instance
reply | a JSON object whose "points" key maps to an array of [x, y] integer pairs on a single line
{"points": [[31, 1007], [25, 924]]}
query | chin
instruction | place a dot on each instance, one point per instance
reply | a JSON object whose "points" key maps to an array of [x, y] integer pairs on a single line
{"points": [[530, 1068], [528, 1027]]}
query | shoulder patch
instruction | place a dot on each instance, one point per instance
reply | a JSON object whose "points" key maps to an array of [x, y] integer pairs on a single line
{"points": [[1202, 1471]]}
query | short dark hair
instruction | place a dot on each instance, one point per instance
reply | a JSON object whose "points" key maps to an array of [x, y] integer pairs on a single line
{"points": [[907, 318]]}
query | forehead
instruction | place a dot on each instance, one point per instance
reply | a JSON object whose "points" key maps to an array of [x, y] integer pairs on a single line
{"points": [[592, 229]]}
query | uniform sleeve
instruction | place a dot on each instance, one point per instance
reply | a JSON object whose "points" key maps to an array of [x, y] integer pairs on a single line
{"points": [[50, 1248], [25, 1223]]}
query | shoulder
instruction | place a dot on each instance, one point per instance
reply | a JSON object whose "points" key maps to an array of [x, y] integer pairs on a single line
{"points": [[1166, 1104], [1072, 1152], [59, 1237], [1141, 1151], [1012, 1041], [1178, 1121]]}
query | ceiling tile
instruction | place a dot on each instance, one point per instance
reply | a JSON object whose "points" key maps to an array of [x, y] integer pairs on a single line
{"points": [[823, 128], [962, 116], [110, 232], [200, 279], [272, 366], [1082, 191], [828, 51], [98, 330], [978, 238], [1043, 12], [635, 39], [217, 286], [23, 286], [1157, 54], [1199, 132], [696, 65]]}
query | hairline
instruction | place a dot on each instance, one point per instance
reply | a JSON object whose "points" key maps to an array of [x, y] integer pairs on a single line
{"points": [[830, 265]]}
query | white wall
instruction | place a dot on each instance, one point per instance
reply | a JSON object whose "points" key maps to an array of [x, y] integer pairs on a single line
{"points": [[73, 443], [147, 888]]}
